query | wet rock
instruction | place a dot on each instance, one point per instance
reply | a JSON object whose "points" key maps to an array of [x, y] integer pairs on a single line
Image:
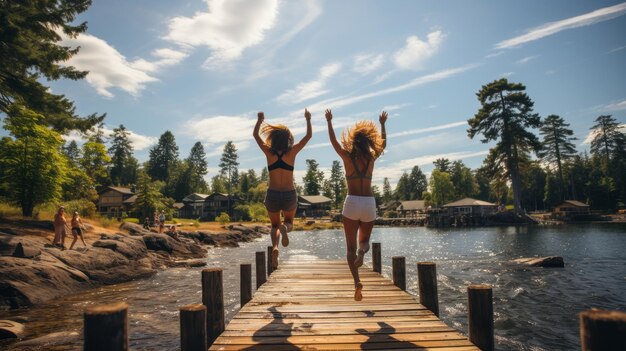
{"points": [[60, 338], [133, 228], [549, 261], [180, 247], [198, 262]]}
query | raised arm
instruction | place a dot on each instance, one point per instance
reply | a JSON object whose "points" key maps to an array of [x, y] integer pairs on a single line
{"points": [[309, 133], [331, 135], [383, 132], [255, 133]]}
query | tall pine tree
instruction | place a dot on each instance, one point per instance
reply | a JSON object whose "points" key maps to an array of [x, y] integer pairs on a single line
{"points": [[313, 178], [417, 183], [557, 146], [337, 183], [123, 165], [163, 157], [229, 171]]}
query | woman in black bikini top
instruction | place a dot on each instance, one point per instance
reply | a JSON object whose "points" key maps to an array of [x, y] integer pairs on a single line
{"points": [[281, 196]]}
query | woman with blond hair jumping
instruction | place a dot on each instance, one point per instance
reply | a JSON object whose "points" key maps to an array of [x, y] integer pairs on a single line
{"points": [[360, 146], [281, 196]]}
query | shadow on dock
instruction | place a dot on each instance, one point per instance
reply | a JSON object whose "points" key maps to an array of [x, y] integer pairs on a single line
{"points": [[383, 334], [278, 329]]}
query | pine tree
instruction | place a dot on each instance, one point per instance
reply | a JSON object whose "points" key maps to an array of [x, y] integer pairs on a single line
{"points": [[403, 191], [228, 170], [33, 168], [72, 152], [464, 181], [31, 54], [387, 194], [557, 146], [608, 139], [337, 183], [417, 183], [313, 179], [149, 197], [442, 164], [265, 176], [162, 157], [197, 167], [505, 116], [123, 165]]}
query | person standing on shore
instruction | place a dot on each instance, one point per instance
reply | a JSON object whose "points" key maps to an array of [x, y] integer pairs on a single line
{"points": [[360, 146], [77, 229], [60, 228], [281, 196]]}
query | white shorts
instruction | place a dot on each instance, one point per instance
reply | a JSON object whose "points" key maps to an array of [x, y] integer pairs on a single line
{"points": [[360, 208]]}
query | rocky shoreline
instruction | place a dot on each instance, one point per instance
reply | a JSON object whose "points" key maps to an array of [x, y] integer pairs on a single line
{"points": [[32, 272]]}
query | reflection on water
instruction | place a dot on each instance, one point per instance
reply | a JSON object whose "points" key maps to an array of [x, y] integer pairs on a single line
{"points": [[535, 308]]}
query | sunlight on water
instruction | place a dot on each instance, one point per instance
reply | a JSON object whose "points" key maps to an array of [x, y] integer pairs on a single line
{"points": [[534, 308]]}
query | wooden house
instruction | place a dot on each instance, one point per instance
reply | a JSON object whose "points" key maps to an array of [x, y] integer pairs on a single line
{"points": [[193, 206], [115, 200], [571, 208], [471, 207], [314, 206]]}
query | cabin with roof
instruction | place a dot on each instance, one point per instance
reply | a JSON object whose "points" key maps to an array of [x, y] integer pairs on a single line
{"points": [[193, 206], [571, 208], [115, 200], [217, 203], [411, 208], [471, 207], [314, 206]]}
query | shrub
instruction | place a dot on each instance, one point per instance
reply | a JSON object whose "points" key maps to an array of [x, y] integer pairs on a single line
{"points": [[107, 222], [131, 220], [85, 208], [223, 218], [390, 214], [8, 210]]}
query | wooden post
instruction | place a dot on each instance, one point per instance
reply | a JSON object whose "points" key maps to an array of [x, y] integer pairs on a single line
{"points": [[270, 269], [106, 327], [193, 328], [260, 269], [376, 260], [245, 286], [603, 330], [213, 299], [427, 283], [480, 314], [399, 271]]}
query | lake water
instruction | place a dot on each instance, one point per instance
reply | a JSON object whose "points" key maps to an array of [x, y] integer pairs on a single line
{"points": [[535, 308]]}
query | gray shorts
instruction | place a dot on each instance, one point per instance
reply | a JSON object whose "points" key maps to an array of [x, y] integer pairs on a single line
{"points": [[276, 201]]}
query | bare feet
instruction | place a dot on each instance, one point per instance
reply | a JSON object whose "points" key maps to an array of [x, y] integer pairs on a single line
{"points": [[283, 233], [358, 296], [275, 258]]}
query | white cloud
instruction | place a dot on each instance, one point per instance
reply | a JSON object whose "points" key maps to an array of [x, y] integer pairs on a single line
{"points": [[427, 129], [494, 54], [416, 51], [395, 107], [526, 59], [312, 89], [592, 134], [165, 57], [319, 107], [139, 141], [227, 28], [618, 106], [220, 129], [507, 74], [395, 171], [551, 28], [367, 63]]}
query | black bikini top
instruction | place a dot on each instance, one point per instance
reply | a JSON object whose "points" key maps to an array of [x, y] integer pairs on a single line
{"points": [[358, 173], [280, 164]]}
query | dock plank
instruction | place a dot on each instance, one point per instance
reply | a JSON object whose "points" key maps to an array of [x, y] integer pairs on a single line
{"points": [[309, 305]]}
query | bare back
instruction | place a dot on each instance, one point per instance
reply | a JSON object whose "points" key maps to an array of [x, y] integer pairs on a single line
{"points": [[281, 179], [358, 175]]}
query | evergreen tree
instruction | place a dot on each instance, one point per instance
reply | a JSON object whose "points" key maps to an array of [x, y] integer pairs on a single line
{"points": [[218, 185], [252, 178], [463, 179], [417, 183], [196, 169], [123, 165], [31, 162], [31, 54], [377, 195], [313, 179], [551, 196], [387, 194], [608, 139], [403, 190], [327, 189], [150, 198], [265, 176], [163, 157], [228, 167], [72, 152], [557, 146], [441, 188], [337, 183], [505, 116], [442, 164], [534, 186]]}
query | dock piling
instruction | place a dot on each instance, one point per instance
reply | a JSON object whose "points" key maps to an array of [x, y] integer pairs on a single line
{"points": [[376, 258], [480, 315], [213, 299], [106, 327], [399, 271], [427, 283], [245, 286], [260, 269], [270, 269], [193, 328], [602, 330]]}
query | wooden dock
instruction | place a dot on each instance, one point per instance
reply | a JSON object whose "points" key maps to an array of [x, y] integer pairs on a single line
{"points": [[309, 305]]}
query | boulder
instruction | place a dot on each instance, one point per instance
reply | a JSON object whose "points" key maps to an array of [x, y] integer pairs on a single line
{"points": [[549, 261], [22, 251], [52, 339], [133, 228], [182, 247], [194, 262]]}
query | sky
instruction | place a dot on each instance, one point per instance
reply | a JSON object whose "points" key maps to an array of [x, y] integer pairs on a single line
{"points": [[204, 68]]}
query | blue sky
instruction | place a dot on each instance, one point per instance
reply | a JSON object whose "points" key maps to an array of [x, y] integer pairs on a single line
{"points": [[202, 69]]}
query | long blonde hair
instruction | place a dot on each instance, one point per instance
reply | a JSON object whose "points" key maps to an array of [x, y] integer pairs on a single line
{"points": [[278, 138], [362, 140]]}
